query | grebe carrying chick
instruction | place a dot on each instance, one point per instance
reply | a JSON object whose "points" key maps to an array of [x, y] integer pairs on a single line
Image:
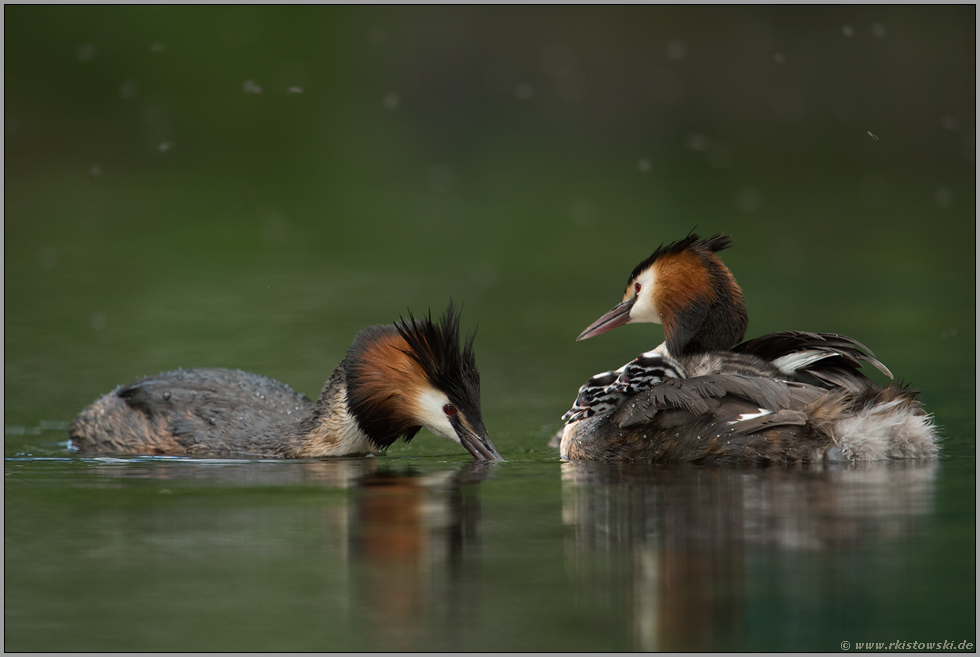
{"points": [[395, 380], [700, 397]]}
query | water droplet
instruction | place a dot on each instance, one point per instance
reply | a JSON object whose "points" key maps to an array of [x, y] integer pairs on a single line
{"points": [[167, 394], [583, 212], [874, 190], [790, 105], [720, 156], [275, 228], [377, 36], [485, 275], [128, 89], [847, 30], [97, 321], [643, 165], [250, 87], [524, 91], [943, 197], [47, 257], [558, 60], [157, 47], [697, 142], [879, 30], [94, 171], [391, 101], [165, 146], [440, 178], [295, 90], [749, 199], [85, 52], [949, 122], [676, 50]]}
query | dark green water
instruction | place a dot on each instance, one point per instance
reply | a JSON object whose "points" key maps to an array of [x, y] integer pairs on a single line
{"points": [[159, 213]]}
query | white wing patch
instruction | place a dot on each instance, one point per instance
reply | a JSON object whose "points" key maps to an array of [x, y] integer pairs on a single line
{"points": [[790, 363], [750, 416]]}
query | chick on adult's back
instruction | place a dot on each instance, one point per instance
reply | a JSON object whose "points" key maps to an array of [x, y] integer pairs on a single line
{"points": [[395, 380], [783, 397]]}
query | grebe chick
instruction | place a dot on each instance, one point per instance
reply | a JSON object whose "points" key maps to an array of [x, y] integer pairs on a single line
{"points": [[395, 380], [699, 397]]}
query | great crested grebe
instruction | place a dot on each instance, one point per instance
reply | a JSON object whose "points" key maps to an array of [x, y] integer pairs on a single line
{"points": [[699, 397], [395, 380]]}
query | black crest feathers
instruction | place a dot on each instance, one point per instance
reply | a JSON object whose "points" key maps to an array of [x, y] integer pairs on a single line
{"points": [[435, 347], [714, 244]]}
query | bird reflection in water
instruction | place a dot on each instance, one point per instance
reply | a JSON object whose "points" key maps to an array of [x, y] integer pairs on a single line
{"points": [[415, 551], [677, 537], [403, 546]]}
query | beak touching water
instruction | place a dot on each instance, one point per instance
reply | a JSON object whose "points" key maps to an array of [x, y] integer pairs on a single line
{"points": [[477, 443], [616, 317]]}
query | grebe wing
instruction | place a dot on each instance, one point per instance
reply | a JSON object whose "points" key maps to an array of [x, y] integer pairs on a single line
{"points": [[716, 396], [803, 351], [221, 408], [221, 389]]}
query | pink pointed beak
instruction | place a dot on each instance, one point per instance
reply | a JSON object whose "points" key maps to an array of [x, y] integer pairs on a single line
{"points": [[477, 443], [616, 317]]}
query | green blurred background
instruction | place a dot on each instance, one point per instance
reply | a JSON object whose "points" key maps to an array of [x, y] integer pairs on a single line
{"points": [[249, 186]]}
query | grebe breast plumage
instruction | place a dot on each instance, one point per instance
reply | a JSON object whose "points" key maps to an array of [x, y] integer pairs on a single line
{"points": [[394, 380], [699, 397]]}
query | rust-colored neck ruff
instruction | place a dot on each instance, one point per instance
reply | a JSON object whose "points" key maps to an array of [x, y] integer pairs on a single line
{"points": [[700, 303], [383, 382], [682, 283]]}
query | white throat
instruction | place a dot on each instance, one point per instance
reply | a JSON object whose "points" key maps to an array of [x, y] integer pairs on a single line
{"points": [[644, 310], [430, 403]]}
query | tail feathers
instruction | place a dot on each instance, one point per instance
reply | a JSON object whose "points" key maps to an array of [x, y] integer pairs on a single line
{"points": [[796, 352], [889, 425], [109, 424]]}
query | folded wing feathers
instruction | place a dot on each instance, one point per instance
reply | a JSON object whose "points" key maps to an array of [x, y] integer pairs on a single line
{"points": [[693, 395], [794, 351]]}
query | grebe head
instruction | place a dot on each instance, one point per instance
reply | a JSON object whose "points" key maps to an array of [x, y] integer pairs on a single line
{"points": [[414, 374], [688, 289]]}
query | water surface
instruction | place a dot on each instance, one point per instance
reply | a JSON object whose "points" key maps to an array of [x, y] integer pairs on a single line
{"points": [[402, 553]]}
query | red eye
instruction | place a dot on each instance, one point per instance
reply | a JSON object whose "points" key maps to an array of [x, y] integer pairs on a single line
{"points": [[449, 409], [638, 286]]}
